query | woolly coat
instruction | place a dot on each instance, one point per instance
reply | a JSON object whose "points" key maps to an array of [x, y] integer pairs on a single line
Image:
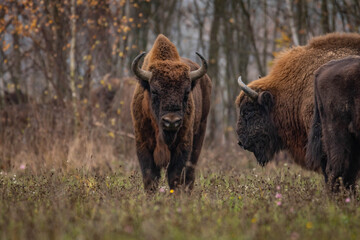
{"points": [[291, 82], [163, 59]]}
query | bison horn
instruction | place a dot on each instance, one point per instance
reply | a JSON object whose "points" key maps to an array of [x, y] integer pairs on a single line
{"points": [[196, 74], [140, 73], [251, 93]]}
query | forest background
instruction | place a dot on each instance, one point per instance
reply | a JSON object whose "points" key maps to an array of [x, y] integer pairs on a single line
{"points": [[65, 64], [68, 167]]}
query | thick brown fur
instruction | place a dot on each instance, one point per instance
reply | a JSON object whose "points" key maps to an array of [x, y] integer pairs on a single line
{"points": [[169, 91], [334, 139], [290, 83]]}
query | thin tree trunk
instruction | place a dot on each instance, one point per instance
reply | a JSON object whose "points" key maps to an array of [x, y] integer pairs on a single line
{"points": [[72, 62], [60, 60], [333, 16], [213, 71], [276, 20], [247, 21], [294, 34], [200, 23], [324, 17], [265, 42], [301, 16]]}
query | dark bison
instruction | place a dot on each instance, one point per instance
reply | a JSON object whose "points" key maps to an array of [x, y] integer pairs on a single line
{"points": [[169, 111], [275, 111], [334, 138]]}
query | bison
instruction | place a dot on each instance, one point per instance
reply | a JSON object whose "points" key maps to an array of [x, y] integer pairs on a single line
{"points": [[275, 111], [169, 110], [334, 139]]}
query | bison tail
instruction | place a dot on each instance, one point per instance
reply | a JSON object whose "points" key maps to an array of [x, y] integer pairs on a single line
{"points": [[315, 156]]}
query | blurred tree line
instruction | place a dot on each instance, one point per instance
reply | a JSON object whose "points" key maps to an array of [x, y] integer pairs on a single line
{"points": [[62, 49]]}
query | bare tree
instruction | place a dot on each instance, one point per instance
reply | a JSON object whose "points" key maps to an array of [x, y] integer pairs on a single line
{"points": [[294, 33], [72, 61], [213, 72]]}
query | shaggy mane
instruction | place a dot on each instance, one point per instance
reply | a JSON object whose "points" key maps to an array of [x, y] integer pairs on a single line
{"points": [[338, 40], [162, 50], [290, 81], [164, 56], [293, 65]]}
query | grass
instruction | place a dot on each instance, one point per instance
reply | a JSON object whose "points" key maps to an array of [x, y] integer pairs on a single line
{"points": [[55, 184], [277, 202]]}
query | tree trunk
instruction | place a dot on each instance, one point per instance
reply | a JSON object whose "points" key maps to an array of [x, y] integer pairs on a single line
{"points": [[213, 71], [247, 22], [324, 17], [72, 62], [293, 29], [60, 59]]}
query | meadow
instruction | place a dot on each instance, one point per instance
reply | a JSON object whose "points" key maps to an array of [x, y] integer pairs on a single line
{"points": [[61, 180], [68, 167], [97, 193]]}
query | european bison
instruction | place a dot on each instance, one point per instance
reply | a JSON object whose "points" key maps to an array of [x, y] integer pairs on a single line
{"points": [[169, 111], [334, 138], [276, 110]]}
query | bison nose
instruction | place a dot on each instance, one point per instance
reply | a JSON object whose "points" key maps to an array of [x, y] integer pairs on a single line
{"points": [[171, 122]]}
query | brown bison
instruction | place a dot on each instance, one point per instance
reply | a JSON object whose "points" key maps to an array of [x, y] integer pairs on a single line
{"points": [[275, 112], [169, 111], [334, 138]]}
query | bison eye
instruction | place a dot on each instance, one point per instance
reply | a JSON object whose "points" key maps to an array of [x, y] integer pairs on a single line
{"points": [[153, 92]]}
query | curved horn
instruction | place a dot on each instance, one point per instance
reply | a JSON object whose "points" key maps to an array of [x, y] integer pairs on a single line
{"points": [[140, 73], [196, 74], [251, 93]]}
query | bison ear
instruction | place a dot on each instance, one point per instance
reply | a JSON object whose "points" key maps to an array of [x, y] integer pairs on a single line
{"points": [[266, 99], [144, 84]]}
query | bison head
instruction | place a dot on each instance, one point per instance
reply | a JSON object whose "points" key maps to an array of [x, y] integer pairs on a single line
{"points": [[169, 84], [255, 128]]}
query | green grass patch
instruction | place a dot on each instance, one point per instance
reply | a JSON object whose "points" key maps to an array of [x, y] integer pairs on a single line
{"points": [[272, 203]]}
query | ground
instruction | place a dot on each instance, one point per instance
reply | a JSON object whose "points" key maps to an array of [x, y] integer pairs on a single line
{"points": [[233, 198]]}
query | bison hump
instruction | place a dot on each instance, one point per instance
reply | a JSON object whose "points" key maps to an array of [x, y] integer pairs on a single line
{"points": [[162, 50]]}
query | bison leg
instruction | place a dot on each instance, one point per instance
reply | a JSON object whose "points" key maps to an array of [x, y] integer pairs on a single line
{"points": [[196, 149], [351, 172], [342, 163], [323, 168], [150, 172], [176, 171]]}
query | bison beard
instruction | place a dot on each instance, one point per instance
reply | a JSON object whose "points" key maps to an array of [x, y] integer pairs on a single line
{"points": [[169, 111], [256, 131], [169, 137], [334, 138]]}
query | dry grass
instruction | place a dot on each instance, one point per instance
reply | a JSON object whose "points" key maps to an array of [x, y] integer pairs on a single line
{"points": [[58, 184]]}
